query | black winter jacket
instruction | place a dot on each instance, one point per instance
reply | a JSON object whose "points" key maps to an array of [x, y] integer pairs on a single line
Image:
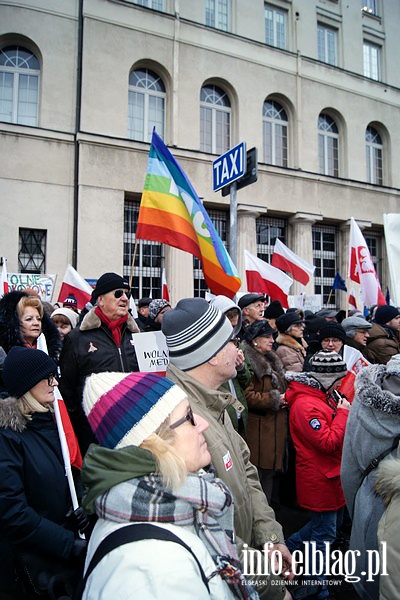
{"points": [[89, 349]]}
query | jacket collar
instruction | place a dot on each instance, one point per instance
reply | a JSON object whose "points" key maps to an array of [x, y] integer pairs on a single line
{"points": [[92, 321], [11, 416]]}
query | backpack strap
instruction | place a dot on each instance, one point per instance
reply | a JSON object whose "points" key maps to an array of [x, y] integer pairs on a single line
{"points": [[133, 533], [375, 461]]}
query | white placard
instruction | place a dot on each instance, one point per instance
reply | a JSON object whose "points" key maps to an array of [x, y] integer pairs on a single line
{"points": [[151, 351]]}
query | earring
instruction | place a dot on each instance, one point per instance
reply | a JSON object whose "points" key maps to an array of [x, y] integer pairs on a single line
{"points": [[255, 344]]}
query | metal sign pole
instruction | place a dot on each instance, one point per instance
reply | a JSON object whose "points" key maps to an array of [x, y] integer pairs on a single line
{"points": [[233, 223]]}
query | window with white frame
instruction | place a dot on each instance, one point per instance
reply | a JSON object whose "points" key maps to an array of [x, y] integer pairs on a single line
{"points": [[370, 6], [275, 134], [146, 105], [275, 26], [372, 59], [374, 243], [146, 281], [327, 44], [215, 120], [328, 145], [32, 250], [218, 14], [154, 4], [220, 220], [325, 261], [19, 86], [267, 230], [374, 152]]}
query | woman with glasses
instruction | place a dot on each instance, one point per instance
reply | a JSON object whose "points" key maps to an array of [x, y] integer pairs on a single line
{"points": [[101, 342], [38, 531], [152, 467]]}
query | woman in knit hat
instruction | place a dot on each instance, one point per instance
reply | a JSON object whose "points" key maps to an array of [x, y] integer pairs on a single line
{"points": [[317, 425], [65, 320], [36, 535], [152, 466]]}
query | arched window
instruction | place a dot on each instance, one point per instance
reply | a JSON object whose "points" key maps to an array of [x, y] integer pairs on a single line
{"points": [[215, 120], [275, 133], [19, 86], [328, 145], [146, 105], [374, 150]]}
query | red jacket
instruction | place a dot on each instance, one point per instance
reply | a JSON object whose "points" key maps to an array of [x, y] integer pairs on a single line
{"points": [[317, 430]]}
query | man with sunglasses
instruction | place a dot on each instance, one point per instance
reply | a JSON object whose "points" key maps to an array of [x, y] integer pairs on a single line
{"points": [[102, 342]]}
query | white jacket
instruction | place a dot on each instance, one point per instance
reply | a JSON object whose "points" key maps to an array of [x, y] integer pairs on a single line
{"points": [[152, 569]]}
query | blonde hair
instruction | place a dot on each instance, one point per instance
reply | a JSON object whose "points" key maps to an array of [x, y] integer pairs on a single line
{"points": [[32, 301], [171, 466], [28, 405]]}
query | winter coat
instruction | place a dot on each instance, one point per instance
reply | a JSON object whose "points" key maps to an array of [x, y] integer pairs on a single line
{"points": [[373, 423], [382, 344], [239, 384], [10, 332], [255, 521], [153, 569], [34, 493], [388, 486], [267, 423], [89, 349], [291, 351], [317, 431]]}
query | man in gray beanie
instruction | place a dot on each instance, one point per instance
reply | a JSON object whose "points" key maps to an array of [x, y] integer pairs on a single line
{"points": [[384, 341], [202, 357], [357, 332]]}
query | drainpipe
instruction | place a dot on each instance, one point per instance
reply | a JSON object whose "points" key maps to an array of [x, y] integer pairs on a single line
{"points": [[77, 129]]}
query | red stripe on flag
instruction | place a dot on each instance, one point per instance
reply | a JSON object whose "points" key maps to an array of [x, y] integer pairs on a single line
{"points": [[296, 272], [256, 284]]}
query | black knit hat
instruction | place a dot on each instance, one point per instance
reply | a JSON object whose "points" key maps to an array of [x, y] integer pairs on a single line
{"points": [[274, 310], [332, 330], [285, 321], [23, 368], [385, 313], [109, 282], [327, 367], [144, 302], [257, 329]]}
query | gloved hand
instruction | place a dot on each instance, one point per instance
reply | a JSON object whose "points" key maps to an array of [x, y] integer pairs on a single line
{"points": [[77, 520], [78, 552]]}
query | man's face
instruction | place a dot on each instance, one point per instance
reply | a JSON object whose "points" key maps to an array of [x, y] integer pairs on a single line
{"points": [[254, 311], [112, 306], [226, 362], [361, 336], [144, 311], [395, 323]]}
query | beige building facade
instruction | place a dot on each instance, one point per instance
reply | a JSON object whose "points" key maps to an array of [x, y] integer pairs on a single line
{"points": [[313, 85]]}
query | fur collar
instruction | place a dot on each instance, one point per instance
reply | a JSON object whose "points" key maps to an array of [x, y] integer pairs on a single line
{"points": [[264, 364], [92, 321], [287, 340], [388, 479], [10, 415], [368, 389]]}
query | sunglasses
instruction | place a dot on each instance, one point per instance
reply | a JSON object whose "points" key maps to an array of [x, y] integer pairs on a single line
{"points": [[50, 379], [188, 417], [120, 293]]}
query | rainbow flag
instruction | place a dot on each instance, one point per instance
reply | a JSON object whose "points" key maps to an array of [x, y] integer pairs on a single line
{"points": [[172, 213]]}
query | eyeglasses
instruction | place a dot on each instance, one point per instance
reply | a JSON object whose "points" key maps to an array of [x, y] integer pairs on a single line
{"points": [[331, 341], [188, 417], [50, 379], [120, 293], [236, 342]]}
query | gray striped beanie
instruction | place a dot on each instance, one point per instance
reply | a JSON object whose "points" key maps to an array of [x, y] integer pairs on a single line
{"points": [[195, 331]]}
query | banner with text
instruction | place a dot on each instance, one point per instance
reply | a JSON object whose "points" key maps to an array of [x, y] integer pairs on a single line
{"points": [[151, 351], [42, 284]]}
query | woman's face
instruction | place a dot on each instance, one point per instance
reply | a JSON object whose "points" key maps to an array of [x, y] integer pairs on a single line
{"points": [[63, 325], [43, 391], [30, 324], [189, 440], [264, 343]]}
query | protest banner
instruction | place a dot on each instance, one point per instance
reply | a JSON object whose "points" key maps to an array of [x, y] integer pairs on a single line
{"points": [[151, 351], [38, 282]]}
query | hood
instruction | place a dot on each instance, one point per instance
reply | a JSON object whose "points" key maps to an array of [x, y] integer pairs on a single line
{"points": [[264, 364], [387, 483], [92, 321], [375, 384], [300, 384], [10, 415], [103, 468], [224, 304]]}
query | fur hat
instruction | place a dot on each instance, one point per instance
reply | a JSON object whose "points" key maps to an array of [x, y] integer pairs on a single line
{"points": [[274, 310], [249, 299], [257, 329], [331, 330], [327, 367], [124, 410], [71, 315], [156, 306], [351, 324], [385, 313], [195, 331], [23, 368], [109, 282], [285, 321]]}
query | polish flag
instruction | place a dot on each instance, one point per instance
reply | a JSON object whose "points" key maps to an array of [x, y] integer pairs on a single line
{"points": [[361, 268], [3, 278], [352, 299], [261, 277], [164, 287], [74, 284], [355, 361], [283, 258]]}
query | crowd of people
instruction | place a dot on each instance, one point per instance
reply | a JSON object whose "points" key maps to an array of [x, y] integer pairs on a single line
{"points": [[182, 474]]}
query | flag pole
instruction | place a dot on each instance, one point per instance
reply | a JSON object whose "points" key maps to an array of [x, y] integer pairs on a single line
{"points": [[133, 263], [329, 297]]}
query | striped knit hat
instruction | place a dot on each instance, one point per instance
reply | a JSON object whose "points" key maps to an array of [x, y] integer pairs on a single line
{"points": [[327, 367], [195, 331], [124, 410]]}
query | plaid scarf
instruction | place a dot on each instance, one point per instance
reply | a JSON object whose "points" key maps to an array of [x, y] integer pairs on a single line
{"points": [[203, 501]]}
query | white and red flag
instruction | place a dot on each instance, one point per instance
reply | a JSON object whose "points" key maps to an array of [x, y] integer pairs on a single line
{"points": [[164, 287], [352, 299], [361, 268], [73, 283], [355, 361], [3, 278], [285, 259], [262, 277]]}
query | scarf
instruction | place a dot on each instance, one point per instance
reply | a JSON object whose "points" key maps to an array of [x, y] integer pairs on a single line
{"points": [[203, 501], [114, 326]]}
